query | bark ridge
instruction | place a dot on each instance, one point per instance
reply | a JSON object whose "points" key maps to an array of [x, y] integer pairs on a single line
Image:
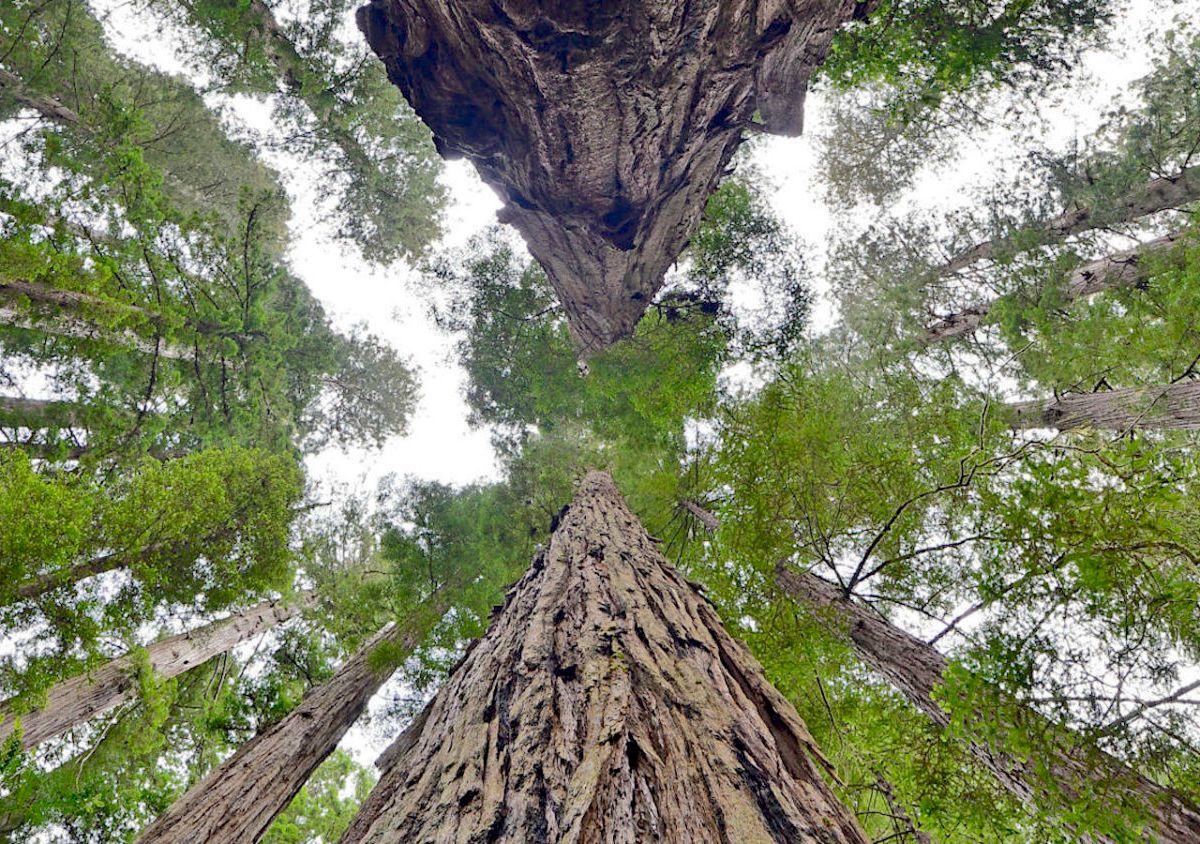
{"points": [[606, 703]]}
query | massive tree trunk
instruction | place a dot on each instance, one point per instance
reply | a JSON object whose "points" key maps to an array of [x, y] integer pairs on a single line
{"points": [[74, 701], [606, 703], [1156, 195], [1169, 406], [916, 670], [603, 126], [1122, 269], [236, 803]]}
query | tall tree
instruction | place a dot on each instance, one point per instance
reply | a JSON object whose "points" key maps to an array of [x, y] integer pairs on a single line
{"points": [[1059, 763], [1175, 406], [80, 698], [611, 705], [238, 801]]}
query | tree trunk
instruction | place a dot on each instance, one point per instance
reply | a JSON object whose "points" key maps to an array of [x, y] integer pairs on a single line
{"points": [[35, 414], [603, 126], [1170, 406], [46, 581], [236, 803], [1123, 269], [1156, 195], [916, 670], [51, 109], [67, 318], [74, 701], [606, 703]]}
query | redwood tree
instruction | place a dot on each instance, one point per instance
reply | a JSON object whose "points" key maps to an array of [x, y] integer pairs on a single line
{"points": [[605, 703]]}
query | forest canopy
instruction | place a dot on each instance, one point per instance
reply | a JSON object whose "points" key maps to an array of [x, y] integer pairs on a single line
{"points": [[849, 480]]}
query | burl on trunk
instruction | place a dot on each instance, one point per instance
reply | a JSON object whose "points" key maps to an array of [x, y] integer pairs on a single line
{"points": [[606, 703], [603, 126]]}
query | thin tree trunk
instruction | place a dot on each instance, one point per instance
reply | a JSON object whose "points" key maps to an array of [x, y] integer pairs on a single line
{"points": [[36, 414], [1122, 269], [1169, 406], [917, 669], [1156, 195], [236, 803], [47, 107], [606, 703], [74, 701], [66, 325], [46, 581]]}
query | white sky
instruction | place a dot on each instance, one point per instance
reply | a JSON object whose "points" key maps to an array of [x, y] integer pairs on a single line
{"points": [[440, 445]]}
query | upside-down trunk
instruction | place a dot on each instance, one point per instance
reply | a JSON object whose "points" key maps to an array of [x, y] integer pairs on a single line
{"points": [[606, 703]]}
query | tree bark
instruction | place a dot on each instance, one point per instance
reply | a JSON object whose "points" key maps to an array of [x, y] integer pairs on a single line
{"points": [[74, 701], [236, 803], [1122, 269], [1156, 195], [72, 327], [36, 414], [1170, 406], [606, 703], [602, 126], [916, 670], [47, 107]]}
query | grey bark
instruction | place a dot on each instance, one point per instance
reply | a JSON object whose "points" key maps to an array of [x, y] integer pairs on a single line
{"points": [[16, 411], [236, 803], [603, 126], [1122, 269], [1168, 406], [74, 701], [917, 669], [1157, 195], [606, 703], [51, 109]]}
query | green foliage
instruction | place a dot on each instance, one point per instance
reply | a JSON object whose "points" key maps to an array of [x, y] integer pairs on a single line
{"points": [[207, 531], [320, 812], [926, 49], [334, 105]]}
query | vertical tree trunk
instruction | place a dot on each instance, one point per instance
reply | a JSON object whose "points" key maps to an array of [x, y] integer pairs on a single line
{"points": [[1169, 406], [1156, 195], [916, 670], [606, 703], [236, 803], [1122, 269], [74, 701]]}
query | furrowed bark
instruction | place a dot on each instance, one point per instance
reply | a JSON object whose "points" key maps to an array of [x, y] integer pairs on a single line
{"points": [[1122, 269], [916, 670], [602, 126], [236, 803], [74, 701], [1156, 195], [606, 703], [1170, 406]]}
